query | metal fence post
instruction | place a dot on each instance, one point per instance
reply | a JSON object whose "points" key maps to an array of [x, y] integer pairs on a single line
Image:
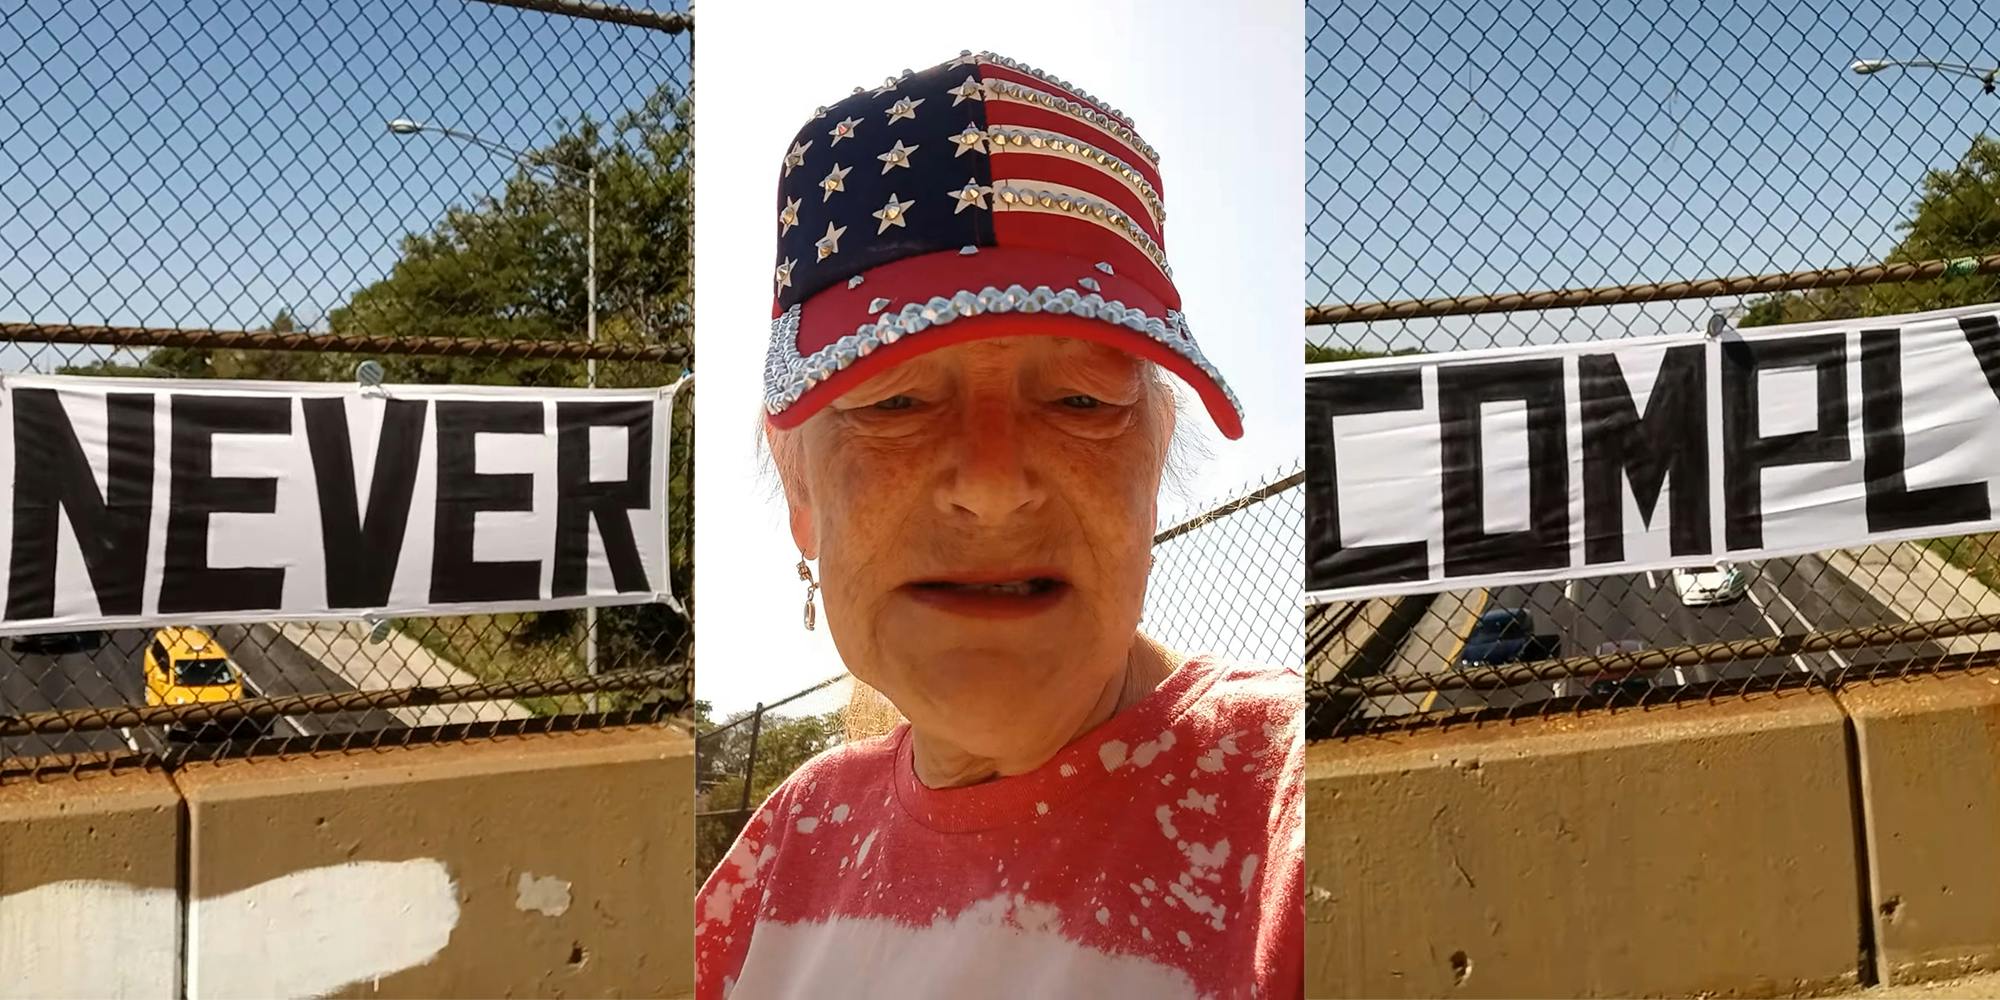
{"points": [[750, 768]]}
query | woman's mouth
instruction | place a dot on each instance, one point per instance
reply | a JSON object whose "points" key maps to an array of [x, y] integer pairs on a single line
{"points": [[991, 598]]}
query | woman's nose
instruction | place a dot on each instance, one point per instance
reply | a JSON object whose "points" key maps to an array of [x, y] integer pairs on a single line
{"points": [[989, 475]]}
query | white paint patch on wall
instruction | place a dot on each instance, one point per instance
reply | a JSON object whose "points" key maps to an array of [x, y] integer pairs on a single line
{"points": [[86, 938], [547, 895], [311, 932]]}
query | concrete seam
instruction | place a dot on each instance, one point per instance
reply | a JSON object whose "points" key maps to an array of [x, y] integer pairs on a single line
{"points": [[1871, 966], [183, 884]]}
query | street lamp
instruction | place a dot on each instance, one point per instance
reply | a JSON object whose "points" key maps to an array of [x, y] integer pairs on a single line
{"points": [[1985, 76], [407, 126]]}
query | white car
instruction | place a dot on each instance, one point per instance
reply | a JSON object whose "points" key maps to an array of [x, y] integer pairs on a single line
{"points": [[1698, 586]]}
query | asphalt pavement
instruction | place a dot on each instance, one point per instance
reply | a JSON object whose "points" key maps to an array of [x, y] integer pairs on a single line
{"points": [[111, 675], [1785, 596]]}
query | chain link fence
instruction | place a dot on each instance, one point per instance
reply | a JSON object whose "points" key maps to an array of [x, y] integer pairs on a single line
{"points": [[493, 193], [1486, 173], [1225, 580]]}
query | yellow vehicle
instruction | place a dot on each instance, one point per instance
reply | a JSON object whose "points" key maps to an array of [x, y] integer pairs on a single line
{"points": [[186, 666]]}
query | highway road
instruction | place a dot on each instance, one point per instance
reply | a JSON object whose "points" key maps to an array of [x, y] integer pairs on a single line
{"points": [[111, 675], [1786, 596]]}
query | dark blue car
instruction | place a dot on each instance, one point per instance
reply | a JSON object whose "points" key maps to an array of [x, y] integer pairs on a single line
{"points": [[1505, 635]]}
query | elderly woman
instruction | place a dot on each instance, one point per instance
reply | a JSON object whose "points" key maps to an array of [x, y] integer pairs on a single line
{"points": [[969, 408]]}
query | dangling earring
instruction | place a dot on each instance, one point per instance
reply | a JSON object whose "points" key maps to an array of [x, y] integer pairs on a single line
{"points": [[806, 574]]}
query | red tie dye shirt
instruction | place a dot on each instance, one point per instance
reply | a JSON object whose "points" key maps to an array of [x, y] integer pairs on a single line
{"points": [[1159, 855]]}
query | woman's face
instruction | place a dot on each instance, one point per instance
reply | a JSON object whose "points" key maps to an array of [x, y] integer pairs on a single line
{"points": [[983, 518]]}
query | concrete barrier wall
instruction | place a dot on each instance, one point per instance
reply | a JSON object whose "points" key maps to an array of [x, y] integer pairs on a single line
{"points": [[543, 865], [1672, 852], [1930, 772], [89, 877]]}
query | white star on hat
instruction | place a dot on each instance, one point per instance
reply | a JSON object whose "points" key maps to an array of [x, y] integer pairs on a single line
{"points": [[891, 214], [972, 195], [797, 157], [970, 90], [829, 244], [836, 180], [897, 156], [970, 139]]}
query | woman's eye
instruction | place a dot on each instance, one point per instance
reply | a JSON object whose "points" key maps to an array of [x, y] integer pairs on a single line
{"points": [[894, 403], [1081, 402]]}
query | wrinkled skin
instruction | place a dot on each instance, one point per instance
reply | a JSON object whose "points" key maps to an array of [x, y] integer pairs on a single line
{"points": [[992, 460]]}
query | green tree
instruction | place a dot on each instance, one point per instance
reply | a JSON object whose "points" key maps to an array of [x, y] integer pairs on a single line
{"points": [[1957, 215], [514, 265], [722, 758]]}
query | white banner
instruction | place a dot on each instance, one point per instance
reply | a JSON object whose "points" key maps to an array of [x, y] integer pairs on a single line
{"points": [[157, 501], [1444, 472]]}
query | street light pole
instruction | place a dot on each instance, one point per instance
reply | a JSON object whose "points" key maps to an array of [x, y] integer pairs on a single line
{"points": [[1986, 75], [406, 126]]}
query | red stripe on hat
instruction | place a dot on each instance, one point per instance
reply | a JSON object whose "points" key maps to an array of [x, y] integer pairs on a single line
{"points": [[1088, 243], [840, 310], [1029, 167], [995, 71], [1001, 112]]}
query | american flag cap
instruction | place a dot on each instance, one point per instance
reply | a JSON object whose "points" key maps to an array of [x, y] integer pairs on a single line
{"points": [[979, 198]]}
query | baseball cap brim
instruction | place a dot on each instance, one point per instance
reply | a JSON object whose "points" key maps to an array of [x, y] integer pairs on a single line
{"points": [[850, 333]]}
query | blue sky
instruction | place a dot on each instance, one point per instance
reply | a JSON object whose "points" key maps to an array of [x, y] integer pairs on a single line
{"points": [[206, 165], [1468, 146]]}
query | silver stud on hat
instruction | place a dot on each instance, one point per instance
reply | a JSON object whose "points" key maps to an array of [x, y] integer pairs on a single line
{"points": [[854, 282], [787, 376], [967, 250], [1105, 267]]}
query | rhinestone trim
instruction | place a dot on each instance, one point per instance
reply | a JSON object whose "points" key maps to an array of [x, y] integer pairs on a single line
{"points": [[1055, 142], [1010, 196], [1020, 67], [788, 376], [1009, 90]]}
